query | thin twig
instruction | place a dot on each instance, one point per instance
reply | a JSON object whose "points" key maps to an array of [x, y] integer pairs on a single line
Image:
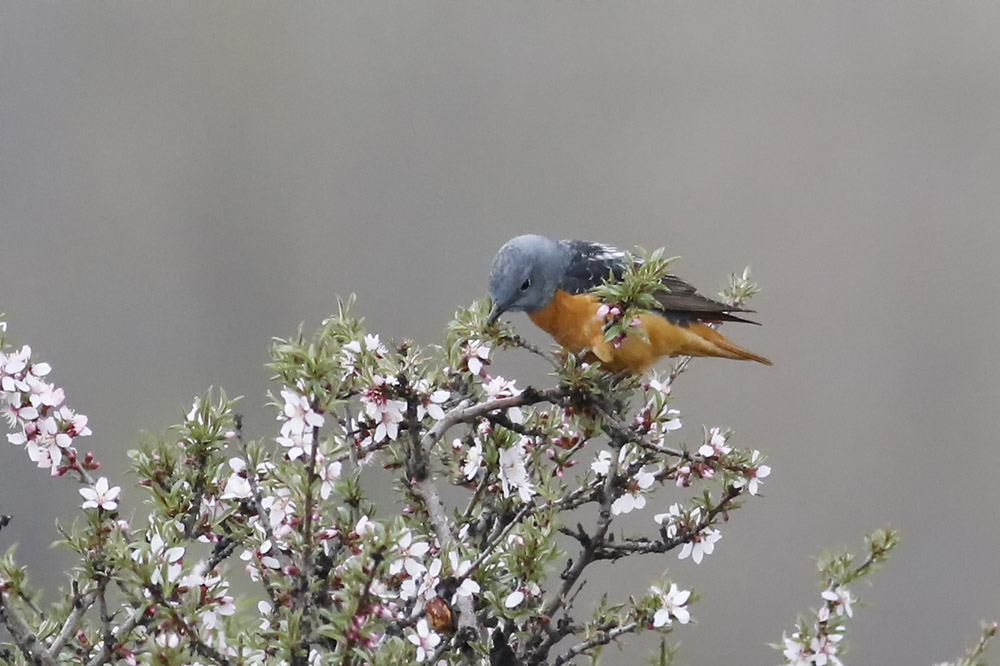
{"points": [[104, 656], [258, 500], [603, 638], [464, 412], [200, 646]]}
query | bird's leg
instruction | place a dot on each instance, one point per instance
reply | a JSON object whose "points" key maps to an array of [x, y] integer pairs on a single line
{"points": [[616, 378]]}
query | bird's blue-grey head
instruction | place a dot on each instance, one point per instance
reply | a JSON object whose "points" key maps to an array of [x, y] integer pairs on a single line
{"points": [[525, 274]]}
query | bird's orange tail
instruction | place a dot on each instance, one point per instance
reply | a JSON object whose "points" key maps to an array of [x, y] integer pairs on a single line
{"points": [[723, 346]]}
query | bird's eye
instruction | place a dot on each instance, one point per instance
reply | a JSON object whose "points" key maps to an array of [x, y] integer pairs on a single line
{"points": [[526, 285]]}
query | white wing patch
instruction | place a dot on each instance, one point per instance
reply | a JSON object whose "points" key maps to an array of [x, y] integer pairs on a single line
{"points": [[606, 252]]}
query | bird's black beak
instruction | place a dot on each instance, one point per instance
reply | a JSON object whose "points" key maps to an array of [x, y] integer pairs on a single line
{"points": [[495, 313]]}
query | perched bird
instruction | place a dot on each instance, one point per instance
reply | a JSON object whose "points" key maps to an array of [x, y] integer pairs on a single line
{"points": [[552, 282]]}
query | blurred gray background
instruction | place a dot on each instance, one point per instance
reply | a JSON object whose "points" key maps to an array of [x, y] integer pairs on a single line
{"points": [[179, 182]]}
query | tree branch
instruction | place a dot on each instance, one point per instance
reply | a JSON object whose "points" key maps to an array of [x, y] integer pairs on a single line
{"points": [[80, 606], [585, 558], [23, 636], [465, 412]]}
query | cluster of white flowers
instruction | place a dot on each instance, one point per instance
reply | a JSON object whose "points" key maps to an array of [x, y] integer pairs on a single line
{"points": [[498, 387], [820, 651], [656, 417], [820, 648], [214, 597], [698, 545], [33, 407], [419, 568], [633, 499], [297, 415], [383, 412], [165, 560]]}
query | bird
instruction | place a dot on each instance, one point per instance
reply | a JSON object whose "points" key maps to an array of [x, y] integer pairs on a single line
{"points": [[553, 282]]}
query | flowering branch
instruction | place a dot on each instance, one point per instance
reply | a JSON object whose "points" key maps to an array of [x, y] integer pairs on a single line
{"points": [[467, 563], [818, 642], [973, 656]]}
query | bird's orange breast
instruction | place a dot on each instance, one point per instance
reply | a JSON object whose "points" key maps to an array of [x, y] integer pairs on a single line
{"points": [[572, 320]]}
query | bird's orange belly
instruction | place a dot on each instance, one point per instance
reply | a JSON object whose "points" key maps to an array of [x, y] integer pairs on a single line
{"points": [[573, 322]]}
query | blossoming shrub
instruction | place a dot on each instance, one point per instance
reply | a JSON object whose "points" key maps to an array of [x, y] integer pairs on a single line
{"points": [[332, 580]]}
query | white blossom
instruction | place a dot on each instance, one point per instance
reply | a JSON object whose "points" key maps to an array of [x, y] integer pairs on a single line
{"points": [[753, 475], [672, 606], [101, 495], [671, 518], [431, 401], [279, 507], [237, 485], [497, 388], [514, 472], [473, 461], [634, 499], [298, 414], [602, 463], [163, 558], [840, 598], [478, 353], [824, 649], [716, 445], [700, 545], [329, 475], [796, 652], [298, 443], [383, 411], [410, 552], [460, 569], [425, 640]]}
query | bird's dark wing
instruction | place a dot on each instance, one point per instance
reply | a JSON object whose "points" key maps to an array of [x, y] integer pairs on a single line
{"points": [[593, 263], [590, 265], [682, 304]]}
